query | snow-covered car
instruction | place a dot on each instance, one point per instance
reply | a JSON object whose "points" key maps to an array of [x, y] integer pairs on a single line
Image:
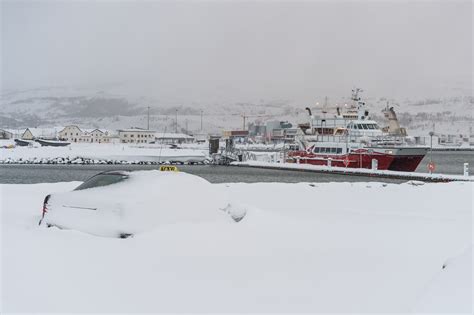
{"points": [[123, 203]]}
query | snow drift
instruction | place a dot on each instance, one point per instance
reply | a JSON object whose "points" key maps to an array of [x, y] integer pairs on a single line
{"points": [[337, 247]]}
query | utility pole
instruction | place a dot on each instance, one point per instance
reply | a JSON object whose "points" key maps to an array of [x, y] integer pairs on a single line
{"points": [[176, 129], [244, 117], [148, 119], [201, 120], [186, 126]]}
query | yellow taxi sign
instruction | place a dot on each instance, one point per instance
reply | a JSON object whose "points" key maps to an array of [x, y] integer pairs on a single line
{"points": [[168, 168]]}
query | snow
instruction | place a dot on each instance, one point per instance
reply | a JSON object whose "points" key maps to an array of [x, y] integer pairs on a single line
{"points": [[102, 151], [143, 201], [334, 247], [450, 290], [362, 171]]}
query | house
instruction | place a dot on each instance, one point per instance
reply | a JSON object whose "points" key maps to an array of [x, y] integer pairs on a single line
{"points": [[96, 136], [40, 133], [71, 133], [136, 135], [5, 134], [173, 138]]}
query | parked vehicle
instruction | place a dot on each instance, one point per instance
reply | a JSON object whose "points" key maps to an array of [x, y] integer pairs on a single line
{"points": [[123, 203]]}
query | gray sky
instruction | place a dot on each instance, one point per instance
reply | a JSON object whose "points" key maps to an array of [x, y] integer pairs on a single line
{"points": [[239, 50]]}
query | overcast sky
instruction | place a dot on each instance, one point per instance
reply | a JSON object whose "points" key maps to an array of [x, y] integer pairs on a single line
{"points": [[203, 50]]}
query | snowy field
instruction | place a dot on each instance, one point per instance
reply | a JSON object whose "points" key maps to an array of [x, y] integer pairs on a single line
{"points": [[336, 247], [122, 152]]}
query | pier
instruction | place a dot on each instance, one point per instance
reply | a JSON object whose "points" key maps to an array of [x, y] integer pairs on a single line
{"points": [[425, 177]]}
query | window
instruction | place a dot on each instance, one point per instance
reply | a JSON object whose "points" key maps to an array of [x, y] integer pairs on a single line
{"points": [[339, 150], [359, 126], [131, 136], [316, 150], [125, 135], [333, 150]]}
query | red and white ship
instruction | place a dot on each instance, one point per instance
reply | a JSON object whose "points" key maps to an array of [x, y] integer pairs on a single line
{"points": [[352, 139]]}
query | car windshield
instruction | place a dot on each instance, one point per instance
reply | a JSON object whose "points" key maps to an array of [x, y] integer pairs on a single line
{"points": [[102, 180]]}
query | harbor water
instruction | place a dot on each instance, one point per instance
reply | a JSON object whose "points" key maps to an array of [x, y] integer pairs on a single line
{"points": [[446, 163]]}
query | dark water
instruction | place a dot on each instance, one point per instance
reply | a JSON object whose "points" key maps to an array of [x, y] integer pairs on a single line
{"points": [[446, 162]]}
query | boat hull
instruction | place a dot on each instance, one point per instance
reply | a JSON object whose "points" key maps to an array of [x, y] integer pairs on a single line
{"points": [[404, 159], [51, 143], [362, 159]]}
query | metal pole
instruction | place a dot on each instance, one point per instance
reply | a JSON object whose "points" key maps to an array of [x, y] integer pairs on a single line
{"points": [[148, 119], [431, 149], [176, 128], [201, 120]]}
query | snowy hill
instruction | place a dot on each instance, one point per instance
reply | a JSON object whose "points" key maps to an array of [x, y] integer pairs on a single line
{"points": [[114, 108]]}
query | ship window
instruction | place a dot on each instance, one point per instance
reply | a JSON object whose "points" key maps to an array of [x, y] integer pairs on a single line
{"points": [[365, 126], [323, 150], [339, 150], [316, 150], [370, 126], [333, 150], [359, 126]]}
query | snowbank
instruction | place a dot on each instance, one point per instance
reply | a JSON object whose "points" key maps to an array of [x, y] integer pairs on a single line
{"points": [[101, 152], [354, 171], [337, 247]]}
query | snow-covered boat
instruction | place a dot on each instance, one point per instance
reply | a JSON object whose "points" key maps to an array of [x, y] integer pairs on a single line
{"points": [[352, 139], [23, 143], [52, 143]]}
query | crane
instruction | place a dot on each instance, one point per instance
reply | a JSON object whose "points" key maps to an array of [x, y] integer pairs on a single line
{"points": [[245, 116]]}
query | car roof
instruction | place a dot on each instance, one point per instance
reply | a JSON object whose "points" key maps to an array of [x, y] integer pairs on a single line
{"points": [[119, 172]]}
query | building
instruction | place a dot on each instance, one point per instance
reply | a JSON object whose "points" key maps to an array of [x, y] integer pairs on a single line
{"points": [[40, 133], [136, 135], [96, 136], [71, 133], [280, 131], [173, 138], [239, 136], [5, 134]]}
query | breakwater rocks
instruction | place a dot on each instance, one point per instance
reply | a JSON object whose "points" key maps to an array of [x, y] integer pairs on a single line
{"points": [[88, 161]]}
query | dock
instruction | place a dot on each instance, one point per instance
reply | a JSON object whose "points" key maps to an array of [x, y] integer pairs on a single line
{"points": [[425, 177]]}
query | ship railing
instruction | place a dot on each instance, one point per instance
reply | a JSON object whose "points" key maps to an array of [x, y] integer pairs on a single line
{"points": [[372, 140]]}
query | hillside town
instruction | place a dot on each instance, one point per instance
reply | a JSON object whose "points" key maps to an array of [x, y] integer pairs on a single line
{"points": [[266, 133]]}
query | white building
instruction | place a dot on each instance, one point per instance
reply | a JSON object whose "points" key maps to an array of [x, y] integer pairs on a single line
{"points": [[136, 135], [5, 134], [173, 138], [40, 133], [73, 133]]}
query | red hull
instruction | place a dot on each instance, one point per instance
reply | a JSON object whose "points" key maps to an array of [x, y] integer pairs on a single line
{"points": [[406, 163], [363, 160]]}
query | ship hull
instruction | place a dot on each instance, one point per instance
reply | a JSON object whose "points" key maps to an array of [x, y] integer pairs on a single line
{"points": [[407, 159], [388, 158], [361, 159]]}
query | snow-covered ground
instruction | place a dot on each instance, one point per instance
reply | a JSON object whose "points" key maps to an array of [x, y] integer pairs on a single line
{"points": [[336, 247], [275, 164], [102, 151]]}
